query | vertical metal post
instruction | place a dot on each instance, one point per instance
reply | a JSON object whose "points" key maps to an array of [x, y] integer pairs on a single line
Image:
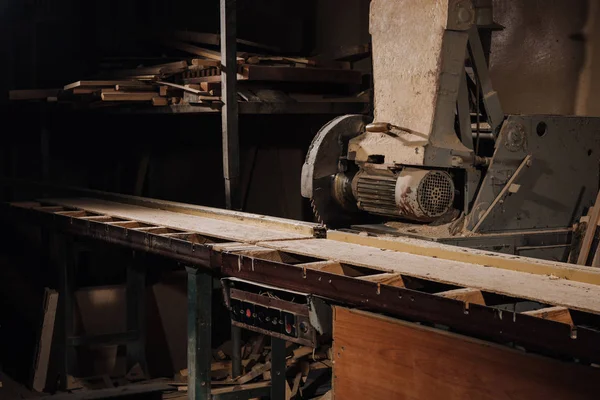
{"points": [[278, 382], [199, 333], [67, 263], [136, 311], [236, 351], [229, 111]]}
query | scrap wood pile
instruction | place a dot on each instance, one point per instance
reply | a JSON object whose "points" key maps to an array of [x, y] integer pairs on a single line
{"points": [[307, 369], [263, 76]]}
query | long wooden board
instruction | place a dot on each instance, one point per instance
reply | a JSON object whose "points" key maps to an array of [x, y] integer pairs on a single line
{"points": [[290, 74], [505, 261], [382, 358], [545, 289], [207, 226]]}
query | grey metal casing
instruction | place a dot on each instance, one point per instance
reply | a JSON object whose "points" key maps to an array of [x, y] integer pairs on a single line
{"points": [[553, 190]]}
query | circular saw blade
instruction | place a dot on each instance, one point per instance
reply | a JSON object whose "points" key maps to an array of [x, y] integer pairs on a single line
{"points": [[321, 166]]}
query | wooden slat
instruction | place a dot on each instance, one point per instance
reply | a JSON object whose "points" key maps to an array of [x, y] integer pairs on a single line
{"points": [[42, 356], [33, 94], [473, 296], [128, 96], [474, 256], [98, 84], [543, 289], [290, 74], [382, 358], [558, 314], [590, 232]]}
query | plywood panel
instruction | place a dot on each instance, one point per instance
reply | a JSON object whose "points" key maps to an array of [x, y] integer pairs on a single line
{"points": [[382, 358]]}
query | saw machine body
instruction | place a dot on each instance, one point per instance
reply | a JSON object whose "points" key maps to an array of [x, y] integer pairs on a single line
{"points": [[440, 151]]}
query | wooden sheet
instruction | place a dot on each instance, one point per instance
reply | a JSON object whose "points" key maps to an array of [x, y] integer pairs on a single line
{"points": [[545, 289], [207, 226], [381, 358]]}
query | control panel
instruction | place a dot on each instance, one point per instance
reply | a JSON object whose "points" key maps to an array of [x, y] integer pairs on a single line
{"points": [[293, 316]]}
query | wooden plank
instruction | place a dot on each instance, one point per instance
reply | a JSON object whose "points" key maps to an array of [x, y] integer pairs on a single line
{"points": [[290, 74], [474, 256], [184, 88], [544, 289], [558, 314], [32, 94], [207, 226], [381, 358], [42, 357], [472, 296], [157, 102], [131, 96], [586, 244], [98, 84]]}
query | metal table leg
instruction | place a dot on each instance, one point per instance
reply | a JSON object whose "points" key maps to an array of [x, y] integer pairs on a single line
{"points": [[199, 333], [67, 263], [136, 311], [278, 382]]}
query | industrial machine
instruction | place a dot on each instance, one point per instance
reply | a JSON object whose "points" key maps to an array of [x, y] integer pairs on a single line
{"points": [[441, 160]]}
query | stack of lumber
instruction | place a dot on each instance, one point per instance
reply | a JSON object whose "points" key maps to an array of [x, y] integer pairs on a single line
{"points": [[195, 78], [256, 368]]}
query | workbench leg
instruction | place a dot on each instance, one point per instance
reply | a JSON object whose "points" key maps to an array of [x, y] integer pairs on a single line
{"points": [[199, 333], [278, 382], [136, 311], [67, 263], [236, 351], [229, 110]]}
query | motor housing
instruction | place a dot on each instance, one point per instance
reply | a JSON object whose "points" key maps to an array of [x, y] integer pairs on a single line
{"points": [[414, 194]]}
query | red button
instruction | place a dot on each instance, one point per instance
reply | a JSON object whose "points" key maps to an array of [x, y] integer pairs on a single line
{"points": [[288, 328], [248, 313]]}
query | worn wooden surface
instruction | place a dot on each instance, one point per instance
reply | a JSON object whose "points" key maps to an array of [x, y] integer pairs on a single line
{"points": [[380, 358], [545, 289], [474, 256], [208, 226]]}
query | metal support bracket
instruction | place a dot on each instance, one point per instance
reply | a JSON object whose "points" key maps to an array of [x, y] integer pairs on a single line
{"points": [[490, 96]]}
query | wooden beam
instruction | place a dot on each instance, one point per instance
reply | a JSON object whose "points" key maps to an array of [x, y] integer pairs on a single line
{"points": [[472, 296], [590, 232], [290, 74], [44, 345], [99, 84], [377, 358], [130, 96], [32, 94], [558, 314]]}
